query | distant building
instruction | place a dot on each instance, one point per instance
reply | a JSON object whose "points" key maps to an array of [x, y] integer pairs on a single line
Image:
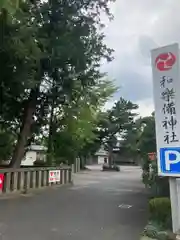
{"points": [[98, 157], [121, 155], [101, 154], [34, 153]]}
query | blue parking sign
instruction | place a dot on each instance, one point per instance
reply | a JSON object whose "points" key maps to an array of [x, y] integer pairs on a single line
{"points": [[170, 160]]}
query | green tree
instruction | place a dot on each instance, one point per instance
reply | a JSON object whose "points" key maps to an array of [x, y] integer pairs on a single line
{"points": [[143, 139], [7, 141], [75, 123], [140, 139], [75, 56], [112, 123], [10, 5], [147, 138], [45, 49], [121, 119], [19, 59]]}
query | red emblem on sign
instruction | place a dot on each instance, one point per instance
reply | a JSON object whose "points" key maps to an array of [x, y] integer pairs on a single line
{"points": [[1, 181], [165, 61]]}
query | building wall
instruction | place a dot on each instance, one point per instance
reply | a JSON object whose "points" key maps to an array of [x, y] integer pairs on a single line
{"points": [[101, 159], [92, 160], [29, 158], [118, 159], [101, 152], [98, 157]]}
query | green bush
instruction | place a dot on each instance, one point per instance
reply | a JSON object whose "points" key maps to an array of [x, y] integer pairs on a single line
{"points": [[160, 211], [158, 186], [151, 231]]}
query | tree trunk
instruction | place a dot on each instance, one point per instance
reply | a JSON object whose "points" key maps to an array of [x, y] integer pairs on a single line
{"points": [[82, 162], [50, 136], [25, 131], [110, 156], [3, 23]]}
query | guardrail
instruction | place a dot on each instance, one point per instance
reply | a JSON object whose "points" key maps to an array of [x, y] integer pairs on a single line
{"points": [[23, 180]]}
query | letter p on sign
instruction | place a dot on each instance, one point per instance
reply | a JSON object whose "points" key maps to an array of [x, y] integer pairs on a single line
{"points": [[170, 160]]}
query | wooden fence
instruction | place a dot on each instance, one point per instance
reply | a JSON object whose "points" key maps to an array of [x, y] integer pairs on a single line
{"points": [[25, 179]]}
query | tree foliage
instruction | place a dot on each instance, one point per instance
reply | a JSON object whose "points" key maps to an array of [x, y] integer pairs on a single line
{"points": [[111, 124], [52, 88], [140, 139], [74, 127], [10, 5], [50, 54], [147, 138]]}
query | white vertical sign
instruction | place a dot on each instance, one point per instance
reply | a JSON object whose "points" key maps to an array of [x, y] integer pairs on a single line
{"points": [[54, 176], [166, 83]]}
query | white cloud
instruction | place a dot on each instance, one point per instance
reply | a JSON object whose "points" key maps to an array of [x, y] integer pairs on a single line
{"points": [[146, 107], [108, 105], [139, 26]]}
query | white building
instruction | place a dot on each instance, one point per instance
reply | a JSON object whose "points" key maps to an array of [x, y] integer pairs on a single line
{"points": [[101, 154], [35, 152]]}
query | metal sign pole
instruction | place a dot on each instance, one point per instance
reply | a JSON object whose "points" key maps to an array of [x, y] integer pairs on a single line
{"points": [[178, 204], [174, 204]]}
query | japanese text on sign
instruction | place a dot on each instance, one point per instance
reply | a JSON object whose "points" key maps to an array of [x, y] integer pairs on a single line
{"points": [[54, 176], [169, 109], [166, 86]]}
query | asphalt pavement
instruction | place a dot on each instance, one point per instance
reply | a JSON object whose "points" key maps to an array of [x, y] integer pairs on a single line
{"points": [[99, 206]]}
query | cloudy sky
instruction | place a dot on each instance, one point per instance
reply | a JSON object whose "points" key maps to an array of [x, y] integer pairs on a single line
{"points": [[138, 27]]}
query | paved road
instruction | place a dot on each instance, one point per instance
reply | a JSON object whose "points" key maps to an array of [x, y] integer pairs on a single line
{"points": [[100, 206]]}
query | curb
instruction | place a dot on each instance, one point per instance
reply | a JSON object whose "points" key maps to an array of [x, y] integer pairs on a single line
{"points": [[147, 238]]}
